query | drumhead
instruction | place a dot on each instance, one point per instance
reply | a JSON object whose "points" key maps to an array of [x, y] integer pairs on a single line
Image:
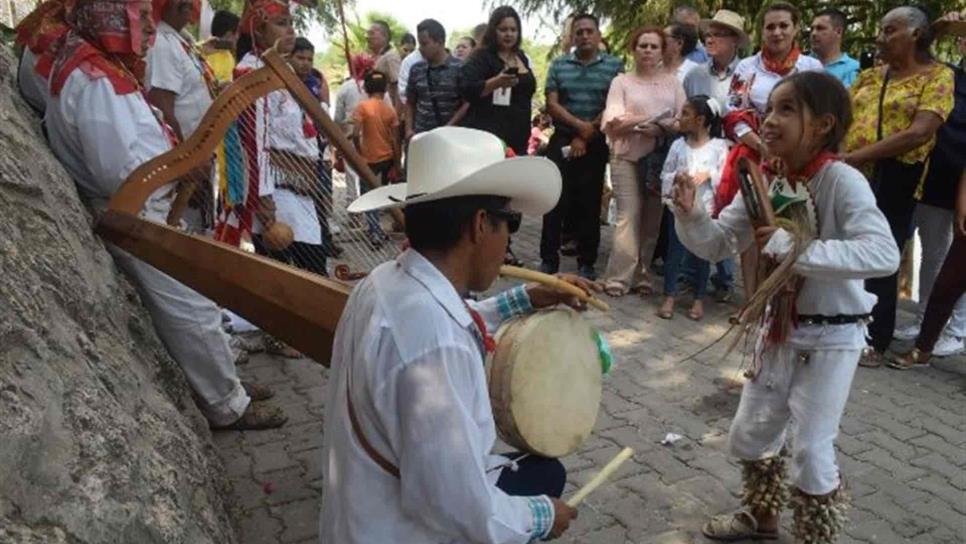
{"points": [[554, 383]]}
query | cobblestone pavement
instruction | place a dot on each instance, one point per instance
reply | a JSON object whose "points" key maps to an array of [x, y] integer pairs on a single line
{"points": [[902, 443]]}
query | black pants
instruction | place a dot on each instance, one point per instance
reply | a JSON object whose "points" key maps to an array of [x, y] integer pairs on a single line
{"points": [[534, 476], [583, 183], [949, 286], [895, 186], [309, 257]]}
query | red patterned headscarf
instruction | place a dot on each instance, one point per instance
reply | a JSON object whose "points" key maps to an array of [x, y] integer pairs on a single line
{"points": [[42, 32], [105, 41], [158, 7], [259, 11]]}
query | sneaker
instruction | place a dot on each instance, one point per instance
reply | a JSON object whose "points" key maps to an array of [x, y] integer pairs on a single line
{"points": [[587, 271], [909, 332], [948, 345], [549, 268]]}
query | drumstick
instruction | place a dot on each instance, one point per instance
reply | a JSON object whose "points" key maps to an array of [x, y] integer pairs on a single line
{"points": [[554, 282], [601, 477]]}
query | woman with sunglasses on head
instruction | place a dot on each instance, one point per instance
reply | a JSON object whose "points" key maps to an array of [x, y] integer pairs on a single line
{"points": [[640, 112]]}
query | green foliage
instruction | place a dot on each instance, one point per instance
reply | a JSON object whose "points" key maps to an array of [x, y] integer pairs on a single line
{"points": [[332, 61], [325, 12], [621, 17]]}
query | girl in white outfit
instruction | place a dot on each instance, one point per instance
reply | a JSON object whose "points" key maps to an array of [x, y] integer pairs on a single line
{"points": [[696, 158], [829, 226]]}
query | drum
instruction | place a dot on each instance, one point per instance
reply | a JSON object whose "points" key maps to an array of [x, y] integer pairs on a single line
{"points": [[545, 382]]}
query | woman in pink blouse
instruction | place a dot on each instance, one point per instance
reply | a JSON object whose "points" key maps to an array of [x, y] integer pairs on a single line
{"points": [[640, 113]]}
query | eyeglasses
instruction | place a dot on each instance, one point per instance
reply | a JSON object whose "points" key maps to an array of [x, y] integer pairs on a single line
{"points": [[512, 219]]}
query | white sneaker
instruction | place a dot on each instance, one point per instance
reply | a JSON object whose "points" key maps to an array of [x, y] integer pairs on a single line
{"points": [[948, 345], [909, 332]]}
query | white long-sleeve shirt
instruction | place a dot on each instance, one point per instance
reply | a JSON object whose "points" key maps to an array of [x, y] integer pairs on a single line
{"points": [[419, 391], [708, 158], [854, 244], [101, 137]]}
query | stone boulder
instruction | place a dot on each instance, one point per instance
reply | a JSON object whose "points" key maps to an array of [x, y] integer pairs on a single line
{"points": [[100, 440]]}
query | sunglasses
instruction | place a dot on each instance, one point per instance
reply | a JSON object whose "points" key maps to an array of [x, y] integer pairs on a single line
{"points": [[512, 219]]}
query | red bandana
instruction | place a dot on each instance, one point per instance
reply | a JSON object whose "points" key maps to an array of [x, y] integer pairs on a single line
{"points": [[158, 7], [42, 32], [781, 66], [489, 344], [812, 168], [259, 11], [105, 41]]}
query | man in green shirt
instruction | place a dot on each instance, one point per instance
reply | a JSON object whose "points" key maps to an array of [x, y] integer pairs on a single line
{"points": [[577, 86]]}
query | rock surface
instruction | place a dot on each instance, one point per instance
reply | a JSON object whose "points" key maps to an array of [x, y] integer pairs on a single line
{"points": [[99, 438]]}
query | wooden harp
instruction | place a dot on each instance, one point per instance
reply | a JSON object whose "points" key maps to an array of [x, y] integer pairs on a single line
{"points": [[295, 306], [754, 191]]}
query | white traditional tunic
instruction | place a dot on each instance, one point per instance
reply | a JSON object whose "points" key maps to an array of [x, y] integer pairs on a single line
{"points": [[752, 83], [100, 137], [807, 379], [419, 390], [172, 68], [287, 133]]}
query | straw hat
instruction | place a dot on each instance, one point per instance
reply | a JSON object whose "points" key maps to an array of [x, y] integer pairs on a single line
{"points": [[730, 20]]}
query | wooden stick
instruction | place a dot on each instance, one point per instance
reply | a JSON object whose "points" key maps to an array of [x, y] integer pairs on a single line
{"points": [[555, 282], [601, 477]]}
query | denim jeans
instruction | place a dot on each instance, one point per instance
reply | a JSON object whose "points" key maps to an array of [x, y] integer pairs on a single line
{"points": [[677, 254]]}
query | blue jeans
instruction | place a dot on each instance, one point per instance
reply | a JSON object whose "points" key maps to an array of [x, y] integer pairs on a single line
{"points": [[676, 256], [725, 277]]}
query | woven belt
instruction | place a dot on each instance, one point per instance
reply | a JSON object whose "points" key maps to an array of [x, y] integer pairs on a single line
{"points": [[841, 319]]}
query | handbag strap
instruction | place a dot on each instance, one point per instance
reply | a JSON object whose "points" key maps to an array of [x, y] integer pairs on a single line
{"points": [[376, 457], [882, 92]]}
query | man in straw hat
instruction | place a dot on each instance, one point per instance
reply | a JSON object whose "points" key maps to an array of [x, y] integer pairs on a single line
{"points": [[409, 432], [101, 128], [724, 36]]}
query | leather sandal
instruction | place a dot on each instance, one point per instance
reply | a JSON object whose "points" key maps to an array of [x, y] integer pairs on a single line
{"points": [[740, 525], [911, 360], [256, 417], [871, 359], [274, 346], [258, 392]]}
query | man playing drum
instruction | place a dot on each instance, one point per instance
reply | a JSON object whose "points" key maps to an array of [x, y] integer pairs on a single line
{"points": [[409, 432]]}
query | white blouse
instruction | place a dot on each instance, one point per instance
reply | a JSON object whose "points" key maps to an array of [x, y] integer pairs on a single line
{"points": [[708, 158], [751, 84], [854, 244]]}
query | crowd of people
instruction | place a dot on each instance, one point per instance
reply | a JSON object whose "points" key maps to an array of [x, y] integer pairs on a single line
{"points": [[856, 160]]}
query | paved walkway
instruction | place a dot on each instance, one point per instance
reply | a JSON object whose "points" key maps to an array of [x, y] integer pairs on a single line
{"points": [[903, 441]]}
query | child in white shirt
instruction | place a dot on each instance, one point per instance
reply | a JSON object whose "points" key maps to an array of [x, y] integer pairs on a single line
{"points": [[698, 158]]}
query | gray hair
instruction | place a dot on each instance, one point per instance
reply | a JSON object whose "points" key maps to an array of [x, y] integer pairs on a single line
{"points": [[917, 19]]}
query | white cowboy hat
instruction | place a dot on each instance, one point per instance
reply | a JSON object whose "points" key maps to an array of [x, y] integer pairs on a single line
{"points": [[730, 20], [451, 161]]}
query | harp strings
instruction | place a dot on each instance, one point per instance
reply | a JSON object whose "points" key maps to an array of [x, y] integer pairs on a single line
{"points": [[308, 196]]}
